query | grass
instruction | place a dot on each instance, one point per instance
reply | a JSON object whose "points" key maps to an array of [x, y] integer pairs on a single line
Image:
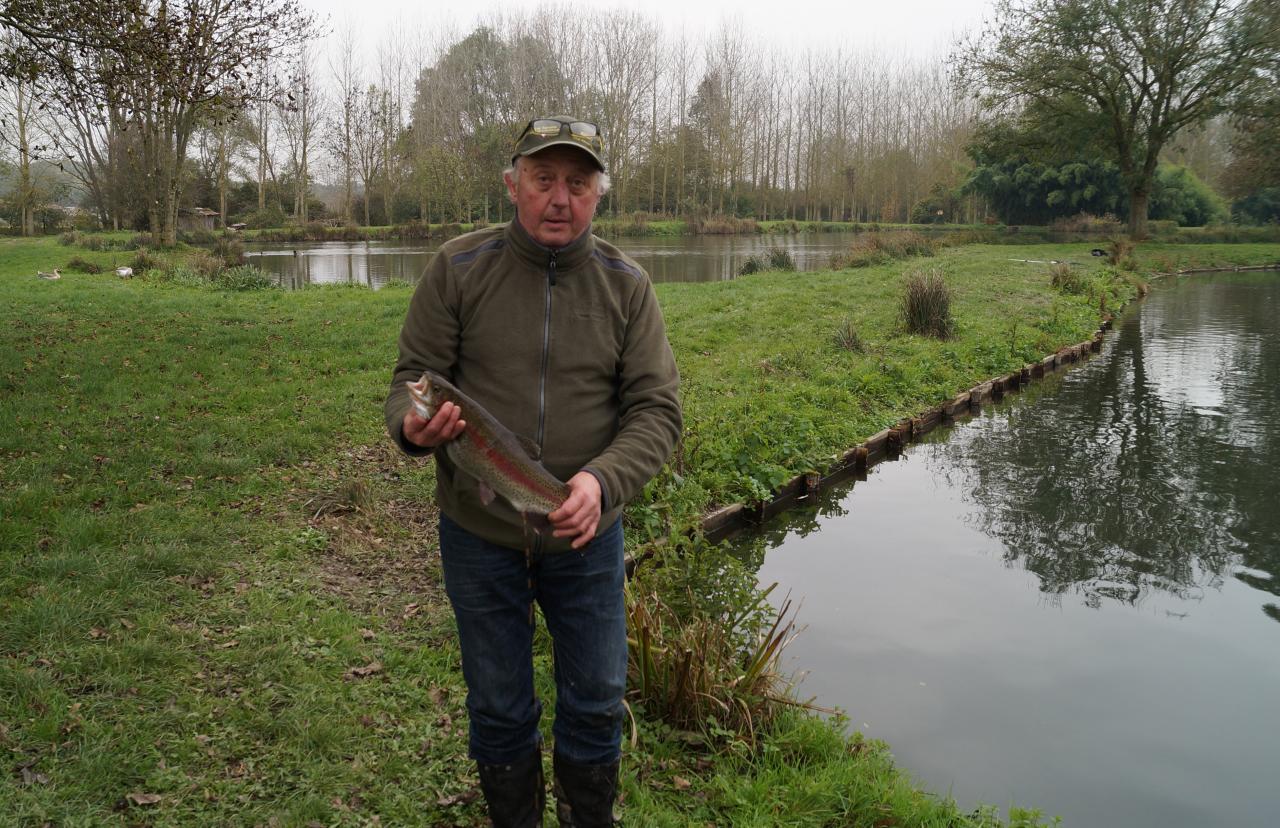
{"points": [[205, 620]]}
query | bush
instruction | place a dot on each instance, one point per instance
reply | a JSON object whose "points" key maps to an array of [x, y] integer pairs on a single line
{"points": [[1119, 249], [926, 305], [69, 238], [197, 236], [721, 225], [269, 216], [204, 263]]}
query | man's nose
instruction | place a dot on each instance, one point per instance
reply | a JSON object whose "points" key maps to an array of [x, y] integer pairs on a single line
{"points": [[560, 192]]}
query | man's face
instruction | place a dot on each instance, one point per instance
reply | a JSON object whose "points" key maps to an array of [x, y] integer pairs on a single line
{"points": [[555, 195]]}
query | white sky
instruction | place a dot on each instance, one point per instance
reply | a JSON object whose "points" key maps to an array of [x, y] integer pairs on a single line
{"points": [[917, 27]]}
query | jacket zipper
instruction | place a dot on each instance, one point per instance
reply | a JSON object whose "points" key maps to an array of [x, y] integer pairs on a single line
{"points": [[536, 551], [546, 354]]}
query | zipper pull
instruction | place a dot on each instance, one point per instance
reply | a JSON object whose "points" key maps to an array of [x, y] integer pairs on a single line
{"points": [[551, 269]]}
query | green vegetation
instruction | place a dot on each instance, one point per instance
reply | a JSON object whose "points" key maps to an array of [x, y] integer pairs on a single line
{"points": [[219, 600]]}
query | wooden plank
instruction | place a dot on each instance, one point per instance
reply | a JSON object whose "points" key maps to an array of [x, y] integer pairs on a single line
{"points": [[723, 518]]}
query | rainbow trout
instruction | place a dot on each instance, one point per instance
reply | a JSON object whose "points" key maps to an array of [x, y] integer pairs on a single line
{"points": [[500, 459]]}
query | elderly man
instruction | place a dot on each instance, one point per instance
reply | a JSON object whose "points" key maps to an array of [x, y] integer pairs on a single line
{"points": [[559, 336]]}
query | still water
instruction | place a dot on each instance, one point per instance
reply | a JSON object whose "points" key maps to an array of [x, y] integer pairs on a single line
{"points": [[666, 258], [1072, 602]]}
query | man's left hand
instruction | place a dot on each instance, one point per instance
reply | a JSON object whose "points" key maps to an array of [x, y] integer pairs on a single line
{"points": [[579, 515]]}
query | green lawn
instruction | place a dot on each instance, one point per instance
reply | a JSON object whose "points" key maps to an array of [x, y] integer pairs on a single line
{"points": [[219, 599]]}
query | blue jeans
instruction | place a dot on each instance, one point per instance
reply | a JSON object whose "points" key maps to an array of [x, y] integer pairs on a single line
{"points": [[492, 589]]}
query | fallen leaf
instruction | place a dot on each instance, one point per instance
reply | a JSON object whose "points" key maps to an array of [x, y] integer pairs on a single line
{"points": [[144, 798], [437, 695], [368, 635], [30, 777], [365, 671], [681, 783], [127, 624]]}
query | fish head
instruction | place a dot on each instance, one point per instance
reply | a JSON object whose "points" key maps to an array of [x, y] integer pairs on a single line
{"points": [[429, 393]]}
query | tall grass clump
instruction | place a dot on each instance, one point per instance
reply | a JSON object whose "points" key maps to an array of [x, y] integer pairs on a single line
{"points": [[926, 305], [715, 672], [242, 277], [721, 225], [775, 258], [847, 337], [1066, 279], [878, 248]]}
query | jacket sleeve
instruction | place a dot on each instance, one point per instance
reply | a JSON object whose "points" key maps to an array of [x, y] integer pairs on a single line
{"points": [[649, 417], [428, 341]]}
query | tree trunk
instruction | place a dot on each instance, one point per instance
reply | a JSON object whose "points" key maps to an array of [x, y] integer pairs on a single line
{"points": [[1139, 199]]}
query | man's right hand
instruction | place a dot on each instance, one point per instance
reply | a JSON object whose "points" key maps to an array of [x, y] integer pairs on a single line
{"points": [[441, 428]]}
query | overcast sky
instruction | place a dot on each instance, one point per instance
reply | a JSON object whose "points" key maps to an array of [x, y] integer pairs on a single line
{"points": [[918, 27]]}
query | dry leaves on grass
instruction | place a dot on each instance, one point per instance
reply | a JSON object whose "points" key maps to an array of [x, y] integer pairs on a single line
{"points": [[369, 669], [144, 799]]}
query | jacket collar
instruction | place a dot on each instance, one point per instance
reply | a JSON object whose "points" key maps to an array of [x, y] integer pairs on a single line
{"points": [[539, 256]]}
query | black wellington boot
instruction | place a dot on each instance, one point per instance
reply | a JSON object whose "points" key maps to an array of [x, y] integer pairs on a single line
{"points": [[585, 793], [515, 793]]}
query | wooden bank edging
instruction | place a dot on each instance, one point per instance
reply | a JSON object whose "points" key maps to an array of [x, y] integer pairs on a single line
{"points": [[889, 444]]}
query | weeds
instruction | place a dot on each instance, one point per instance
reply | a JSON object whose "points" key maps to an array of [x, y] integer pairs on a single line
{"points": [[926, 305], [721, 225]]}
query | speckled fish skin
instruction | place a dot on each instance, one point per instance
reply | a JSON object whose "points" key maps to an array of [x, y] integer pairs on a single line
{"points": [[489, 451]]}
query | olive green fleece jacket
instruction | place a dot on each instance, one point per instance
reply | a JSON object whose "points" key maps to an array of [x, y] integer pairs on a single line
{"points": [[565, 347]]}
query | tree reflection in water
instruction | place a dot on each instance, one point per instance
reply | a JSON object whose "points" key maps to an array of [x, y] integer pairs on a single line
{"points": [[1152, 467]]}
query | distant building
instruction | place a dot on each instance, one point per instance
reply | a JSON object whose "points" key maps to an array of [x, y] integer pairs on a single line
{"points": [[197, 218]]}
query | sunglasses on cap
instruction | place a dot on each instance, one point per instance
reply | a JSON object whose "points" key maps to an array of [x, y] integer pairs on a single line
{"points": [[541, 133]]}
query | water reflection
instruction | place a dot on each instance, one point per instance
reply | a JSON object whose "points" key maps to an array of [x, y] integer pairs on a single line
{"points": [[666, 258], [1059, 600], [1153, 468]]}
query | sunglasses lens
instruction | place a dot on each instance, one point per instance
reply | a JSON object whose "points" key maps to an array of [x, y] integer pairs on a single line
{"points": [[584, 129], [546, 127]]}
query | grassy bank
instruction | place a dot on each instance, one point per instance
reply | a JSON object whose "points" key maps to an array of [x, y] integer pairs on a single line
{"points": [[219, 601]]}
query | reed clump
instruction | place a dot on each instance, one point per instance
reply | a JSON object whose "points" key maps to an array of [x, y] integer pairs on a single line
{"points": [[847, 337], [775, 258], [926, 305], [878, 248], [721, 225], [1066, 279], [82, 265], [713, 672]]}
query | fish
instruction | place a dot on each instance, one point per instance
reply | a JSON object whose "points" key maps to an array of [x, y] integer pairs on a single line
{"points": [[502, 461]]}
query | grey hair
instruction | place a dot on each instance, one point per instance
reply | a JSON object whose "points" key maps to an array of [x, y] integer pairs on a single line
{"points": [[512, 173]]}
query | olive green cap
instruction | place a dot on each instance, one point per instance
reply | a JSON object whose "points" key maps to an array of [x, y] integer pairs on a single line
{"points": [[561, 130]]}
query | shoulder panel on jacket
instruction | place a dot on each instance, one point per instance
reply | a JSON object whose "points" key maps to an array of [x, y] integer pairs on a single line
{"points": [[618, 263]]}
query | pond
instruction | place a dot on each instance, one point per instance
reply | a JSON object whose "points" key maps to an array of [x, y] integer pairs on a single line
{"points": [[1072, 601], [666, 258]]}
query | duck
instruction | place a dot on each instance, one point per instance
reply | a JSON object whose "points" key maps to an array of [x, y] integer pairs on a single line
{"points": [[54, 275], [124, 272]]}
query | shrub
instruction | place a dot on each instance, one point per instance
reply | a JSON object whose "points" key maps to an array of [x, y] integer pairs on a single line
{"points": [[721, 225], [82, 265], [270, 216], [926, 305], [775, 258], [414, 230], [451, 229], [197, 236], [69, 238]]}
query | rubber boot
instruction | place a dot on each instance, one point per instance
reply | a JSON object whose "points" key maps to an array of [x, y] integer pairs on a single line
{"points": [[585, 793], [515, 793]]}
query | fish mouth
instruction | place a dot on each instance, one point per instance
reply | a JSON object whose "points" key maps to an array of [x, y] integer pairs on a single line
{"points": [[420, 397]]}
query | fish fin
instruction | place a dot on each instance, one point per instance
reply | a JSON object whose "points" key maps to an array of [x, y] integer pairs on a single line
{"points": [[537, 522], [530, 447], [486, 493]]}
